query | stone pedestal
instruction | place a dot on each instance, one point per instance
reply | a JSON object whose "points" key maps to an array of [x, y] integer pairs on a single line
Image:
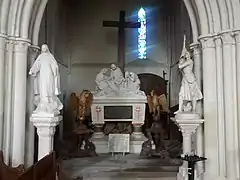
{"points": [[137, 138], [188, 124], [99, 139], [46, 126]]}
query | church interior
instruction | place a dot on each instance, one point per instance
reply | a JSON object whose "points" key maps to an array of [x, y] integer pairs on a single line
{"points": [[130, 89], [76, 36]]}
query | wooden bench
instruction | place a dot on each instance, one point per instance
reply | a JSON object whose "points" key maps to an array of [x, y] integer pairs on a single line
{"points": [[9, 173], [45, 169]]}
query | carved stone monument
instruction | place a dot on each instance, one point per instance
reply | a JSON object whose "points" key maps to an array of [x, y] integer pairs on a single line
{"points": [[118, 104], [46, 116]]}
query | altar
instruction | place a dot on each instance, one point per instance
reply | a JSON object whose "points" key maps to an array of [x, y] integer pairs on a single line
{"points": [[117, 99]]}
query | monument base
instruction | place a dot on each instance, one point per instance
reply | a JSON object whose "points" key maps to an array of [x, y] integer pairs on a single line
{"points": [[102, 145]]}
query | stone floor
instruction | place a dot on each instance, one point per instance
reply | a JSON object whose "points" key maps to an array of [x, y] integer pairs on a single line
{"points": [[118, 167]]}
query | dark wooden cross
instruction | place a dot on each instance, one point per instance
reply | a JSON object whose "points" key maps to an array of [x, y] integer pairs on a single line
{"points": [[121, 25]]}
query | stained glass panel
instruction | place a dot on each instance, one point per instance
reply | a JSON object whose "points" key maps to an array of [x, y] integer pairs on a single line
{"points": [[142, 31]]}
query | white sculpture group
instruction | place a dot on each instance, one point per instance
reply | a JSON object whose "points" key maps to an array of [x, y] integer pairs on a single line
{"points": [[190, 92], [111, 82], [46, 83]]}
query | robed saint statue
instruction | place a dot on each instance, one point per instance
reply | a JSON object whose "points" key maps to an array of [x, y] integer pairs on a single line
{"points": [[46, 83]]}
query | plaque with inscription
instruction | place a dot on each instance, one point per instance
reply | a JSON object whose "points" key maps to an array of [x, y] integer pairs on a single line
{"points": [[118, 112], [119, 143]]}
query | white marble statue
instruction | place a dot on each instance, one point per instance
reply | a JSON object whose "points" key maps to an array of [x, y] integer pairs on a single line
{"points": [[132, 82], [117, 75], [111, 82], [189, 91], [46, 83], [105, 84]]}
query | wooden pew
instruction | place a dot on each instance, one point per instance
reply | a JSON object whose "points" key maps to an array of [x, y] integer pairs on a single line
{"points": [[9, 173], [45, 169], [27, 175]]}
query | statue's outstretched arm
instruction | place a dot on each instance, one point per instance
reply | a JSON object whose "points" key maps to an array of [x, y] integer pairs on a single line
{"points": [[185, 64]]}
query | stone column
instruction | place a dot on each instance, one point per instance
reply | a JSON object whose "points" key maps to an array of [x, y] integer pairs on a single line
{"points": [[8, 101], [46, 126], [33, 52], [188, 124], [2, 85], [99, 139], [237, 39], [230, 104], [19, 100], [137, 138], [220, 106], [210, 90], [98, 131]]}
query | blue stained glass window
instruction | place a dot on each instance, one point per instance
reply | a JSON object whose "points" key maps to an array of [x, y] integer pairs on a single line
{"points": [[142, 43]]}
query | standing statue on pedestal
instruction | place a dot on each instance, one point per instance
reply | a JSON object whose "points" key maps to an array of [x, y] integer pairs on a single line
{"points": [[46, 83], [189, 91]]}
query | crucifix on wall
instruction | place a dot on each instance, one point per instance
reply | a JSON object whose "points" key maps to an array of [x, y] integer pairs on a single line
{"points": [[121, 25]]}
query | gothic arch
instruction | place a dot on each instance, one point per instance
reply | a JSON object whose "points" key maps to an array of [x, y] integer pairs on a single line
{"points": [[215, 26], [206, 17]]}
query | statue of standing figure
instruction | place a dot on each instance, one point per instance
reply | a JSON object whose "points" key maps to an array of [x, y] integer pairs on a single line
{"points": [[46, 83], [189, 91]]}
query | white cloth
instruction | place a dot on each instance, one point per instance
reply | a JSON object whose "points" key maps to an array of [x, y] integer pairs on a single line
{"points": [[46, 84]]}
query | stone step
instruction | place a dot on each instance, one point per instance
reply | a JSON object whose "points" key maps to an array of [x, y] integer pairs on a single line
{"points": [[131, 176], [129, 167]]}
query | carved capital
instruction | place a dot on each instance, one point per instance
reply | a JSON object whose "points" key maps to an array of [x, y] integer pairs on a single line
{"points": [[10, 41], [207, 42], [236, 35], [33, 52], [21, 46], [218, 41], [45, 125], [34, 49], [46, 131], [188, 130], [3, 36], [227, 38], [2, 43], [196, 48]]}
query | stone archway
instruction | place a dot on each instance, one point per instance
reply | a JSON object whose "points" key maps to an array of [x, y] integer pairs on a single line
{"points": [[215, 28]]}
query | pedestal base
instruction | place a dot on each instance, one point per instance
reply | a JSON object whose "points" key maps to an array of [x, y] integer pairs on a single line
{"points": [[46, 126], [102, 144], [183, 174], [188, 122]]}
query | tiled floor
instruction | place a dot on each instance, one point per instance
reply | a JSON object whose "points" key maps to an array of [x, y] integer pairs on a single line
{"points": [[118, 167]]}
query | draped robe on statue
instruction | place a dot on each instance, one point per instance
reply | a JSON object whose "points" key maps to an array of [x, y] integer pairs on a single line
{"points": [[189, 88], [117, 76], [46, 84]]}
